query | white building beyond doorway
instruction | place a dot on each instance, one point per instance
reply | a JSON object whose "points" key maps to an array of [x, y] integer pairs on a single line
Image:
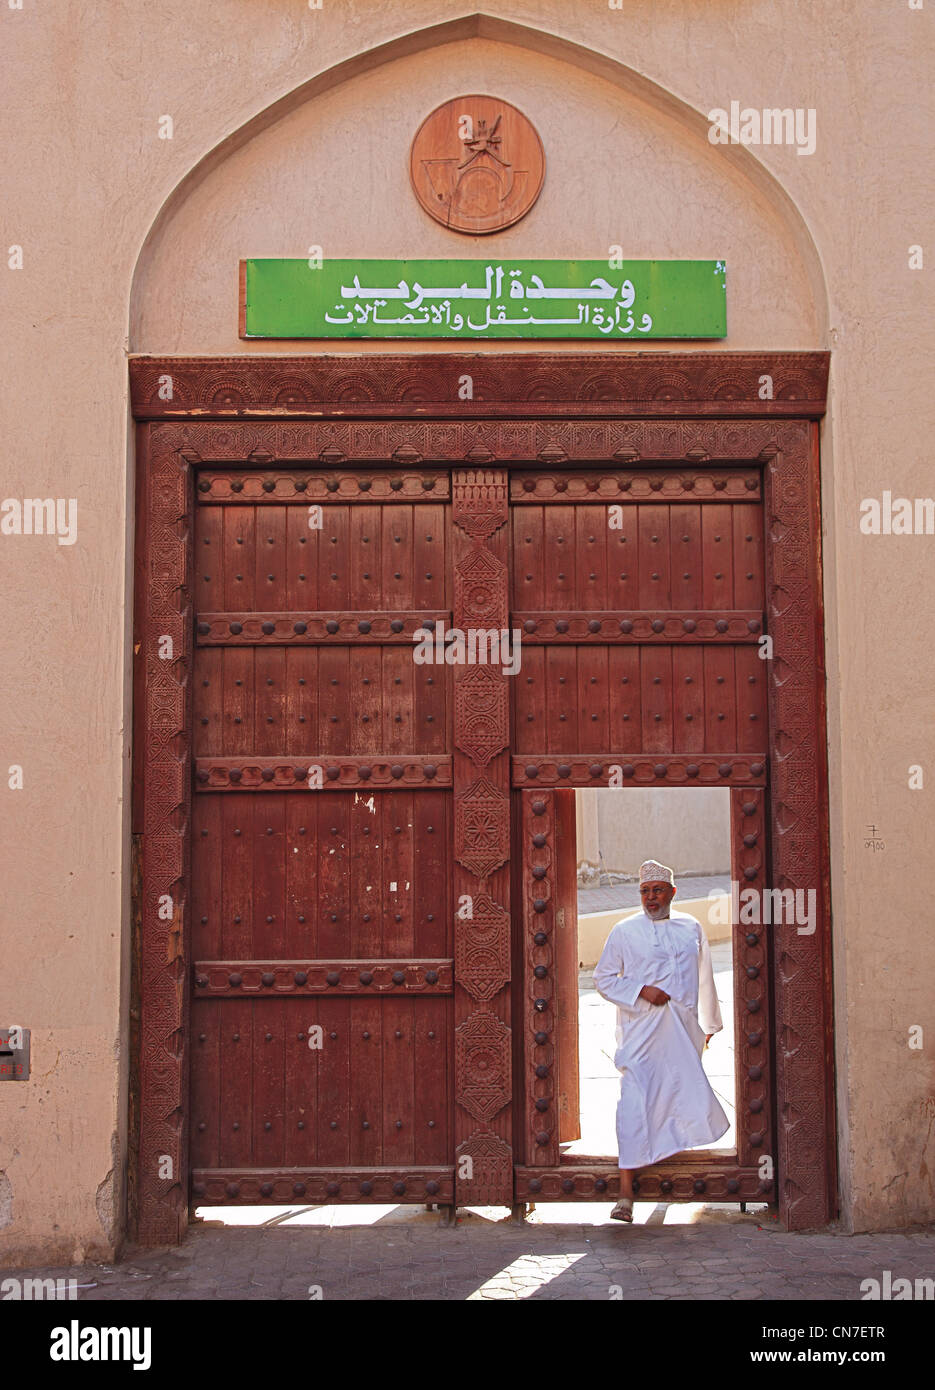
{"points": [[617, 829], [688, 828]]}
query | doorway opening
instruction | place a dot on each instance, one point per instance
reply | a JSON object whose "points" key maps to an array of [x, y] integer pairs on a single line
{"points": [[616, 830]]}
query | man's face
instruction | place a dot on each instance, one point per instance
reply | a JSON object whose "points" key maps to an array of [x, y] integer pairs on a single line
{"points": [[656, 896]]}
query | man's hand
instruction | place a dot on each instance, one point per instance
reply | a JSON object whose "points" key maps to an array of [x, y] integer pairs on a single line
{"points": [[707, 1038], [654, 995]]}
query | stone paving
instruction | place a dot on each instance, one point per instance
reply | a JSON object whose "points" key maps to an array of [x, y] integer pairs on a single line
{"points": [[559, 1252]]}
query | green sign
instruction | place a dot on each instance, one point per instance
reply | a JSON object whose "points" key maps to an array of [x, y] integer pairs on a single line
{"points": [[601, 300]]}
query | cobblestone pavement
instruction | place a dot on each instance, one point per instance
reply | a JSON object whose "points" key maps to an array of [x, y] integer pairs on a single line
{"points": [[627, 895], [560, 1252]]}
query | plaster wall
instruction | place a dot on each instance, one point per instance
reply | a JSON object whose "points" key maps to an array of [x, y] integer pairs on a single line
{"points": [[688, 829], [817, 250]]}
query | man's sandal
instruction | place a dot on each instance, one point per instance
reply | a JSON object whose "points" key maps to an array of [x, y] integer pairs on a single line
{"points": [[623, 1211]]}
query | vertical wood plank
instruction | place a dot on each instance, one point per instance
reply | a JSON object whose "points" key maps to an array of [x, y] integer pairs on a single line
{"points": [[269, 1058], [688, 728], [623, 699], [654, 557], [400, 1081], [335, 933], [206, 1082], [336, 1144], [532, 732], [365, 1118], [593, 707], [590, 557], [717, 555], [561, 698], [656, 698], [685, 556]]}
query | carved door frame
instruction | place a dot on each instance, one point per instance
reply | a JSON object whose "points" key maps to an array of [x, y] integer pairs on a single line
{"points": [[544, 1174], [572, 410]]}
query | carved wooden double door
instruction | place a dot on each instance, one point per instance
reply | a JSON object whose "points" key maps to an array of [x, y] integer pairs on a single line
{"points": [[400, 676]]}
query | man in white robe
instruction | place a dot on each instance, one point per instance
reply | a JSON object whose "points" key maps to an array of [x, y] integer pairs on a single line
{"points": [[656, 968]]}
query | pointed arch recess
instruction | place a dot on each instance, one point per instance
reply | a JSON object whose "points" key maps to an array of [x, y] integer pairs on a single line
{"points": [[484, 26]]}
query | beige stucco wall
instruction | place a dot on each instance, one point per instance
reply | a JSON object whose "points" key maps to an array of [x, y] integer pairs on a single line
{"points": [[687, 828], [817, 254]]}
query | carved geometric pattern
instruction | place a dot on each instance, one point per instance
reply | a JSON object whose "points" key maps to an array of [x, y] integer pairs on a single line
{"points": [[482, 828], [482, 948], [482, 1064], [549, 384], [511, 441], [480, 504], [481, 712], [491, 1181], [483, 1039], [164, 765], [480, 590], [753, 1042], [802, 963], [539, 1015]]}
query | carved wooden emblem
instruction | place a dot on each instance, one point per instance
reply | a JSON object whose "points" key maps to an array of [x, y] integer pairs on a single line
{"points": [[482, 1065], [479, 503], [482, 949], [477, 164], [480, 591], [492, 1165], [481, 713], [482, 828]]}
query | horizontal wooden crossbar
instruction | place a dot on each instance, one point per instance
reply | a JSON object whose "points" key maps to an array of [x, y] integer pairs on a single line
{"points": [[313, 629], [322, 1186], [302, 487], [687, 1177], [531, 770], [541, 627], [627, 485], [254, 772], [234, 979]]}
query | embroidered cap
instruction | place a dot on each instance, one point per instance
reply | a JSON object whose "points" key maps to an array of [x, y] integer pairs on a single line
{"points": [[651, 872]]}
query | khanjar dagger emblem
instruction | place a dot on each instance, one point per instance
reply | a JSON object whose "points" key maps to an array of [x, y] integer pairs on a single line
{"points": [[477, 164]]}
